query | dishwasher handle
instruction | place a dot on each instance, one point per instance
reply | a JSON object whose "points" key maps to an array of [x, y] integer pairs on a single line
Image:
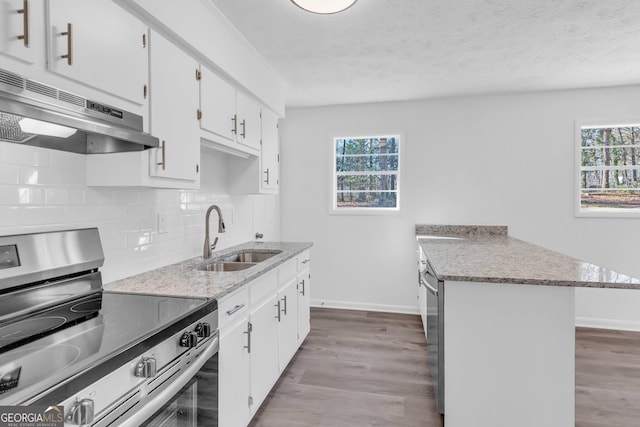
{"points": [[425, 282], [428, 278]]}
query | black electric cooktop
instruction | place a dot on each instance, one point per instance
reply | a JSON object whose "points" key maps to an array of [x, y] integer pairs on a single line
{"points": [[124, 326]]}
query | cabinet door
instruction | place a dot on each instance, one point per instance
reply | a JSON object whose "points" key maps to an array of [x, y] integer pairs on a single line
{"points": [[269, 156], [105, 47], [19, 31], [422, 305], [218, 106], [173, 94], [264, 350], [288, 327], [249, 121], [304, 304], [233, 376]]}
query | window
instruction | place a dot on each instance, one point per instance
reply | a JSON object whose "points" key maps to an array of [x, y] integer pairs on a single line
{"points": [[366, 174], [609, 169]]}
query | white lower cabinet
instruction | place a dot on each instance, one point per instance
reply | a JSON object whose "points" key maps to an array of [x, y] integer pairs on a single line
{"points": [[233, 375], [288, 322], [264, 351], [304, 304], [259, 334]]}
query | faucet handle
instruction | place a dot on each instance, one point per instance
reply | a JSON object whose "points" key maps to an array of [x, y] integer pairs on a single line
{"points": [[215, 242]]}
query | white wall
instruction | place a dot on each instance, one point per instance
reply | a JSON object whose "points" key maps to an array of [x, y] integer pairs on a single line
{"points": [[501, 159], [42, 189]]}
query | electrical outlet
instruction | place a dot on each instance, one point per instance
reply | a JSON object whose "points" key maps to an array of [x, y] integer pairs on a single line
{"points": [[162, 223]]}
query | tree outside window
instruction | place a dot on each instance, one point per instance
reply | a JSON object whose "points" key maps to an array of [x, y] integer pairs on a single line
{"points": [[609, 159], [366, 173]]}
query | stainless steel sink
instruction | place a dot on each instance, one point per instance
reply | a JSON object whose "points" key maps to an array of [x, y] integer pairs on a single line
{"points": [[237, 262], [225, 266], [251, 256]]}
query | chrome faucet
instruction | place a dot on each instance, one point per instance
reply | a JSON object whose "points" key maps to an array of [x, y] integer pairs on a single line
{"points": [[206, 253]]}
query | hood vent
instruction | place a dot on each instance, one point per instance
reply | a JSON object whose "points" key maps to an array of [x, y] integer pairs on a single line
{"points": [[90, 127]]}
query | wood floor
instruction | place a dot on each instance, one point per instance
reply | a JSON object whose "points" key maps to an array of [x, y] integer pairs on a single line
{"points": [[607, 378], [360, 368]]}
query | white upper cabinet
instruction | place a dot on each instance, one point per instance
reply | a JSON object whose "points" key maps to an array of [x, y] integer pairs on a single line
{"points": [[218, 106], [20, 30], [229, 119], [259, 175], [249, 121], [99, 45], [270, 153], [173, 96], [173, 93]]}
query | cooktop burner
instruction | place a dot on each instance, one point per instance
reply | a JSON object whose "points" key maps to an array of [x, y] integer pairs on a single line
{"points": [[90, 306], [19, 331], [121, 321], [25, 328]]}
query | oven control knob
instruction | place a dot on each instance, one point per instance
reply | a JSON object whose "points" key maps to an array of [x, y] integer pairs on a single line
{"points": [[81, 412], [203, 330], [189, 339], [146, 368]]}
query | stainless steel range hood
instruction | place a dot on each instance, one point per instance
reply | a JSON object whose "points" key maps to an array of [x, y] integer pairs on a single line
{"points": [[80, 125]]}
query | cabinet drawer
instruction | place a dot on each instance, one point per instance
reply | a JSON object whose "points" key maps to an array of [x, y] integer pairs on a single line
{"points": [[286, 272], [264, 287], [233, 307], [304, 260]]}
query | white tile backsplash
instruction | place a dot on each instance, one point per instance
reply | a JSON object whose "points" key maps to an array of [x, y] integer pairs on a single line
{"points": [[43, 190]]}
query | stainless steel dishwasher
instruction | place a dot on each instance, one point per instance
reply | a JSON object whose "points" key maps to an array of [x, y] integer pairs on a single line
{"points": [[434, 326]]}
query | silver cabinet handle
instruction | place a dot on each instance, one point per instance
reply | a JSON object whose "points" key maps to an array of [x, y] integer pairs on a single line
{"points": [[285, 305], [234, 119], [248, 332], [266, 181], [302, 283], [25, 18], [163, 162], [69, 34], [278, 306], [243, 134], [81, 412], [234, 309]]}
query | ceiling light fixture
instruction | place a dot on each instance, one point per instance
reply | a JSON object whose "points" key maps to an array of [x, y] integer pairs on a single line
{"points": [[324, 7]]}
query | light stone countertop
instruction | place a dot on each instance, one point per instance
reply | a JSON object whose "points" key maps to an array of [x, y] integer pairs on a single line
{"points": [[182, 278], [488, 254]]}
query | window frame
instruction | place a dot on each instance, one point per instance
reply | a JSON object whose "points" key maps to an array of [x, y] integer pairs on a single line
{"points": [[579, 211], [334, 209]]}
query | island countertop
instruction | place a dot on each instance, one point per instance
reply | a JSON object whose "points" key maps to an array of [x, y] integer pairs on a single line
{"points": [[183, 279], [488, 254]]}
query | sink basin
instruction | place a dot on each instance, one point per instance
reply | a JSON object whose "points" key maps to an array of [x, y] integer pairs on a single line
{"points": [[239, 261], [225, 266], [251, 256]]}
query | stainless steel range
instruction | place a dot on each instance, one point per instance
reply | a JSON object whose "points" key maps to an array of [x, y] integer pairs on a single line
{"points": [[109, 358]]}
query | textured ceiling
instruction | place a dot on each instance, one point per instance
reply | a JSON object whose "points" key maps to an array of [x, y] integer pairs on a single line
{"points": [[383, 50]]}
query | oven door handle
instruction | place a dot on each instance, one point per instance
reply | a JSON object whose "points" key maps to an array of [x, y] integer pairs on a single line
{"points": [[152, 406]]}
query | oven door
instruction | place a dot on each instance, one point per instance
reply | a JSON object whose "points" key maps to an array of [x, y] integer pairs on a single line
{"points": [[196, 404], [189, 398]]}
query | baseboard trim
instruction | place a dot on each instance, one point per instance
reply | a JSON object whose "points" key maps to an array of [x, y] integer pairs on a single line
{"points": [[622, 325], [350, 305]]}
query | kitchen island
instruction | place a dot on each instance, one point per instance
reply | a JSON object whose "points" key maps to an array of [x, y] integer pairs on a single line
{"points": [[509, 325]]}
